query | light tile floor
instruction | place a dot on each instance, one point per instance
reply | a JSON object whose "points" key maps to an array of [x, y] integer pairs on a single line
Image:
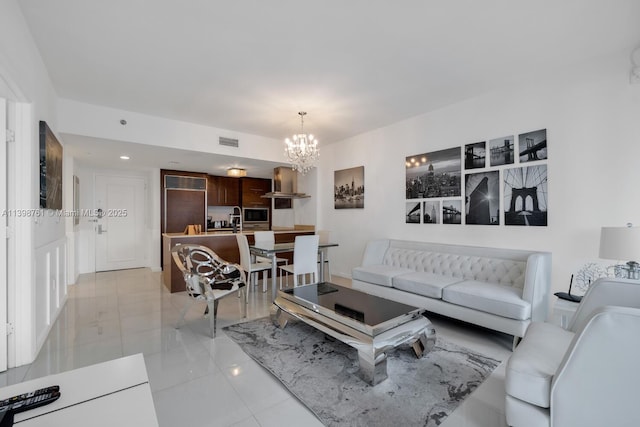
{"points": [[199, 381]]}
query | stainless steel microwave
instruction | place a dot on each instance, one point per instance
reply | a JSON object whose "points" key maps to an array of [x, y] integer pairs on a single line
{"points": [[255, 215]]}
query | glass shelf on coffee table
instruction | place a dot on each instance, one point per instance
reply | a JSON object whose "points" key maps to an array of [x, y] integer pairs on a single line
{"points": [[370, 324]]}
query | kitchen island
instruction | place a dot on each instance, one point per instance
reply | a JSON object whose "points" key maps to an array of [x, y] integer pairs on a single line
{"points": [[222, 242]]}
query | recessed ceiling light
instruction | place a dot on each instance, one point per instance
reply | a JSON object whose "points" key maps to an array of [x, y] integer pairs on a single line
{"points": [[125, 157], [173, 162]]}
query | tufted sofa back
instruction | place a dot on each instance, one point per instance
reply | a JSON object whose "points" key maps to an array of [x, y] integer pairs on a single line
{"points": [[468, 267]]}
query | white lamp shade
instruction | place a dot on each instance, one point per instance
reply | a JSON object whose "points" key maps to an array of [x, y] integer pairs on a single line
{"points": [[620, 243]]}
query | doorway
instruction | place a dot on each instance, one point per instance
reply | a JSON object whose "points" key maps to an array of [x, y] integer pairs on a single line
{"points": [[120, 222]]}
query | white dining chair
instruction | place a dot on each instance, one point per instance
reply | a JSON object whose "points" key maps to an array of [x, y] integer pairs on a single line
{"points": [[267, 239], [325, 237], [305, 259], [252, 268]]}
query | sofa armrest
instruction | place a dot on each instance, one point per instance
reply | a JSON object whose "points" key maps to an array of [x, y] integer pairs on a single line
{"points": [[375, 251], [537, 285], [596, 383]]}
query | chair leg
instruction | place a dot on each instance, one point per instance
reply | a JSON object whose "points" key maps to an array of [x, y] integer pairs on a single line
{"points": [[244, 306], [264, 281], [248, 287], [213, 314]]}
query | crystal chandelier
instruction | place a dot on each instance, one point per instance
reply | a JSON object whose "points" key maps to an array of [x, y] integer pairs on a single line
{"points": [[302, 151]]}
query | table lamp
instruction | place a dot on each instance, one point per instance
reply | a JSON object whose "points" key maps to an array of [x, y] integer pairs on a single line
{"points": [[622, 243]]}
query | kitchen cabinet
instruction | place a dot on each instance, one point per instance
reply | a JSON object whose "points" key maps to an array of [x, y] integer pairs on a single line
{"points": [[223, 191], [252, 191]]}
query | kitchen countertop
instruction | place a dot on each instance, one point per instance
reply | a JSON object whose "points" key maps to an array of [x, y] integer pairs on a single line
{"points": [[226, 232]]}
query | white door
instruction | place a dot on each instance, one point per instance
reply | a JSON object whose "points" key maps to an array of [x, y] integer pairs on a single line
{"points": [[4, 178], [120, 234]]}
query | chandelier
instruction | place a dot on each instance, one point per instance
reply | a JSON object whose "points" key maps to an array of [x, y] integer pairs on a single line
{"points": [[302, 152]]}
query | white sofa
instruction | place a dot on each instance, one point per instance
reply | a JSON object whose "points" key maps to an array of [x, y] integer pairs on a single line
{"points": [[500, 289], [583, 376]]}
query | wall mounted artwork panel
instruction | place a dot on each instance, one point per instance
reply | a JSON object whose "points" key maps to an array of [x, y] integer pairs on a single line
{"points": [[434, 174], [50, 169], [348, 188]]}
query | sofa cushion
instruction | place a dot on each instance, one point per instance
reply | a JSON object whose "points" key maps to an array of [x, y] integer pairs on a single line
{"points": [[500, 300], [378, 274], [423, 283], [533, 364]]}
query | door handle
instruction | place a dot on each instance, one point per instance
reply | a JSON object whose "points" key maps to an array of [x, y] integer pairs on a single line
{"points": [[100, 230]]}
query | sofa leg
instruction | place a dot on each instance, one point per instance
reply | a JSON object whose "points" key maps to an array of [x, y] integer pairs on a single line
{"points": [[516, 341]]}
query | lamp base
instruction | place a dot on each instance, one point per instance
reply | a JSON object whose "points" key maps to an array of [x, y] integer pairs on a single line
{"points": [[630, 270]]}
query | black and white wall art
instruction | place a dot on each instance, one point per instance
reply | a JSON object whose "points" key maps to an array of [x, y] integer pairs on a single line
{"points": [[348, 188], [413, 213], [525, 196], [482, 198], [50, 169], [435, 174], [452, 211], [501, 151], [431, 212], [532, 146], [475, 155]]}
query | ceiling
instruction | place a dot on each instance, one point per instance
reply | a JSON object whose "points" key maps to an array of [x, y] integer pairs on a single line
{"points": [[354, 66]]}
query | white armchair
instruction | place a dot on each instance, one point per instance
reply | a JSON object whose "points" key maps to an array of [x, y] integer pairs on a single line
{"points": [[586, 375]]}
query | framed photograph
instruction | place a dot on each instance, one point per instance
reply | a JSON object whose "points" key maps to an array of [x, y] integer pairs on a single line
{"points": [[532, 146], [435, 174], [50, 169], [431, 212], [452, 211], [475, 155], [525, 196], [413, 213], [348, 188], [482, 203], [501, 151]]}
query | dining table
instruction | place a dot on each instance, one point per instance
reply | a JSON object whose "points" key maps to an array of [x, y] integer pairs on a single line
{"points": [[271, 251]]}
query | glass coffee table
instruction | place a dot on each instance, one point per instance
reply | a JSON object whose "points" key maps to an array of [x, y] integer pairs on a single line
{"points": [[370, 324]]}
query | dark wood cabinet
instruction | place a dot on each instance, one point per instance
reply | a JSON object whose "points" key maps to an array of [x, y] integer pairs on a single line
{"points": [[252, 191], [223, 191]]}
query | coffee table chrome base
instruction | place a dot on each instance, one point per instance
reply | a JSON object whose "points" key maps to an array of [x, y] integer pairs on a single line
{"points": [[418, 333]]}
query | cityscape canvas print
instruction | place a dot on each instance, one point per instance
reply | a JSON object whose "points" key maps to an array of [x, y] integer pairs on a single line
{"points": [[348, 188], [431, 212], [50, 169], [525, 196], [435, 174]]}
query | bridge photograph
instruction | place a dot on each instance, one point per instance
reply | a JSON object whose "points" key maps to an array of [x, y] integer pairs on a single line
{"points": [[501, 151], [532, 146], [413, 213], [475, 155], [525, 196], [452, 211]]}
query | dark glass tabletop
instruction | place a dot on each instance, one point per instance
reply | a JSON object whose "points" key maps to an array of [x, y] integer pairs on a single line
{"points": [[368, 309]]}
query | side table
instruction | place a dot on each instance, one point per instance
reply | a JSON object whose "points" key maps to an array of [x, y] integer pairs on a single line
{"points": [[563, 311]]}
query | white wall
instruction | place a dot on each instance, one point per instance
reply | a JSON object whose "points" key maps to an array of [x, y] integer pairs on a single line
{"points": [[40, 243], [592, 117]]}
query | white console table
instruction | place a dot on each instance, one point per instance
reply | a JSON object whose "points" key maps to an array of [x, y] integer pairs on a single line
{"points": [[563, 312], [107, 394]]}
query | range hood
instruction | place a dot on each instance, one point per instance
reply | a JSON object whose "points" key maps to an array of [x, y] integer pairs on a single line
{"points": [[285, 184]]}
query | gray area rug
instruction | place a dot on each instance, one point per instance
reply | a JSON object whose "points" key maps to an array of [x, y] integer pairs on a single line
{"points": [[320, 372]]}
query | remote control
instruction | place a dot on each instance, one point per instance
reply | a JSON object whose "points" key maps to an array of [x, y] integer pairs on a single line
{"points": [[34, 402], [24, 396]]}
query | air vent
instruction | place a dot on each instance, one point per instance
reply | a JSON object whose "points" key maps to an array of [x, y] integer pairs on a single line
{"points": [[184, 183], [229, 142]]}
